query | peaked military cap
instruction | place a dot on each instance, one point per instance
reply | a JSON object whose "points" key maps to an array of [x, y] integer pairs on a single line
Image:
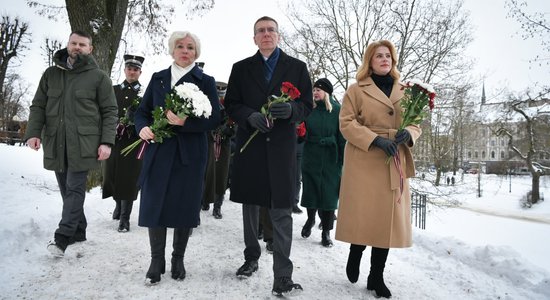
{"points": [[133, 60]]}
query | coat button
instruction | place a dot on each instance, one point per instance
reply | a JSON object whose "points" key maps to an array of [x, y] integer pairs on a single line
{"points": [[267, 139], [390, 113]]}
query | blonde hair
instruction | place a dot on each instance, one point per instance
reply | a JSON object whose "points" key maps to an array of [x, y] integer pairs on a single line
{"points": [[178, 35], [365, 69], [326, 99]]}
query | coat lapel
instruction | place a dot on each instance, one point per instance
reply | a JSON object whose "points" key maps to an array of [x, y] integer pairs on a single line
{"points": [[372, 90], [257, 71], [280, 71]]}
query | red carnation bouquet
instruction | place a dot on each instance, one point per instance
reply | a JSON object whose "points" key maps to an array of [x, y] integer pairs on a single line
{"points": [[288, 93]]}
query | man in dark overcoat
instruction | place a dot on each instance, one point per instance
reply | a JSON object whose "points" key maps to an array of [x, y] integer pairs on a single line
{"points": [[264, 173], [121, 172]]}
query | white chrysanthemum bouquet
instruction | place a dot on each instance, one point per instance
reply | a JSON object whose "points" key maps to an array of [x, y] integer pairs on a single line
{"points": [[184, 100]]}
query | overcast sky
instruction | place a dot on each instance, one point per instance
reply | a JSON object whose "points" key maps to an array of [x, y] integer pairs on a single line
{"points": [[500, 53]]}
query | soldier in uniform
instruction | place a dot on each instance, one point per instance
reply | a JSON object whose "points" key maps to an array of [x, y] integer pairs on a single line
{"points": [[120, 173], [219, 154]]}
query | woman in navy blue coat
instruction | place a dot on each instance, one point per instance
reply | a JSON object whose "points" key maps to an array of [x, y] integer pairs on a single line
{"points": [[172, 175]]}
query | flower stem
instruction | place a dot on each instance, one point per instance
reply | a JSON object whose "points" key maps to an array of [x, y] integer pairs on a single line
{"points": [[131, 147], [249, 139]]}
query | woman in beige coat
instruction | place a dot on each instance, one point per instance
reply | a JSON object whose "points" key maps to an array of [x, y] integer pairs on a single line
{"points": [[374, 208]]}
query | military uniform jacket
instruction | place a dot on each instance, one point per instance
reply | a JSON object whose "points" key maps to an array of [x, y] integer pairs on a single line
{"points": [[120, 173], [73, 111]]}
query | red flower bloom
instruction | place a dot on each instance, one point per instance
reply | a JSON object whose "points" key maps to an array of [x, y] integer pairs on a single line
{"points": [[288, 93], [288, 89]]}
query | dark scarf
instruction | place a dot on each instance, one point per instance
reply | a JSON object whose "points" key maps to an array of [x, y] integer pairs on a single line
{"points": [[384, 83], [270, 63]]}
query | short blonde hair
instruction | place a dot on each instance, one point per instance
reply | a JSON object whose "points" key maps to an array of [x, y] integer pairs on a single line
{"points": [[365, 69], [178, 35]]}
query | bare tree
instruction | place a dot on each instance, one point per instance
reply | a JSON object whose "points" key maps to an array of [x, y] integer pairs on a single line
{"points": [[106, 20], [528, 142], [50, 47], [331, 35], [15, 92], [431, 49], [534, 25], [13, 37]]}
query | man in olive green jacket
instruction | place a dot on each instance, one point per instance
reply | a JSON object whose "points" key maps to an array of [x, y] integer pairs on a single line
{"points": [[73, 114]]}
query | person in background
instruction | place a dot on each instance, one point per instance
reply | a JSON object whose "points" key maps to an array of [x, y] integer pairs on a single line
{"points": [[120, 173], [322, 161], [264, 174], [375, 203], [301, 135], [219, 154], [172, 175], [73, 114]]}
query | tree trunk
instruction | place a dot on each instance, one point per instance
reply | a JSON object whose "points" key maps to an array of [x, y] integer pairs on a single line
{"points": [[108, 19], [535, 195]]}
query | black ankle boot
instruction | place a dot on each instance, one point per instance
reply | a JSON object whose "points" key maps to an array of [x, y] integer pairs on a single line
{"points": [[125, 211], [116, 211], [306, 230], [354, 262], [325, 239], [376, 277]]}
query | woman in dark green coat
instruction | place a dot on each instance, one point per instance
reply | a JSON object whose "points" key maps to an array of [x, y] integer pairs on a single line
{"points": [[322, 161]]}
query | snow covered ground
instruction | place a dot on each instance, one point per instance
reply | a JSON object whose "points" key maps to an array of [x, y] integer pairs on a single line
{"points": [[487, 248]]}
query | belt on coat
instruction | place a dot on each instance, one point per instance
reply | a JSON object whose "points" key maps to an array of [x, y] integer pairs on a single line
{"points": [[325, 141], [394, 172]]}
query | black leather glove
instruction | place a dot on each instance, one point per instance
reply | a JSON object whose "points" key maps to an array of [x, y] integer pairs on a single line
{"points": [[259, 121], [402, 137], [280, 110], [389, 146]]}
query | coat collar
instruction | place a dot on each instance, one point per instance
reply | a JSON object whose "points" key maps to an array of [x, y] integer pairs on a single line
{"points": [[368, 86], [165, 77], [257, 69], [134, 85]]}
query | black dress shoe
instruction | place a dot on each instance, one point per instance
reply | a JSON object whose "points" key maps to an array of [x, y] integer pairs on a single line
{"points": [[124, 226], [205, 206], [249, 267], [284, 285]]}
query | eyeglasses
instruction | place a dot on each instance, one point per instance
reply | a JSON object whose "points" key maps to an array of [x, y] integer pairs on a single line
{"points": [[264, 30]]}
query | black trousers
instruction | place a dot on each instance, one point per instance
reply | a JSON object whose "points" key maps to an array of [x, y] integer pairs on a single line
{"points": [[72, 186]]}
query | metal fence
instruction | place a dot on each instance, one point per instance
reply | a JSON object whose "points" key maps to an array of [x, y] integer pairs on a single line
{"points": [[418, 210]]}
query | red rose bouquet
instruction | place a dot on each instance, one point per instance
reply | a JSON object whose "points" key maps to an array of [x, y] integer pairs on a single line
{"points": [[417, 102], [288, 93]]}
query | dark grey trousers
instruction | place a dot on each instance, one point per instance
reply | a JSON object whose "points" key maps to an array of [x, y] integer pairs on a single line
{"points": [[282, 238], [72, 186]]}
